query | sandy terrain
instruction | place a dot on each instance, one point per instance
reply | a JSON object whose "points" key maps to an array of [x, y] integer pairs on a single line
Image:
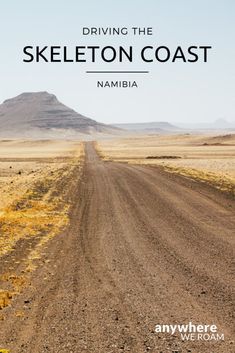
{"points": [[205, 157], [142, 247], [32, 210], [22, 163]]}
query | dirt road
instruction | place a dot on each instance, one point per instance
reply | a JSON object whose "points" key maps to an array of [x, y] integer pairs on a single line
{"points": [[144, 247]]}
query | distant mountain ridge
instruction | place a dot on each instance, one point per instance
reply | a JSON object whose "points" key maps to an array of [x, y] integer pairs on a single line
{"points": [[219, 124], [164, 127], [157, 126], [41, 112]]}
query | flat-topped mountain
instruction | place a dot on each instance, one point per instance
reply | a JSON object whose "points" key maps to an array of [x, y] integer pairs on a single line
{"points": [[41, 113], [149, 127]]}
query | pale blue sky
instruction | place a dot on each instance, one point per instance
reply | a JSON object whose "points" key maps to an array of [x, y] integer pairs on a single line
{"points": [[173, 92]]}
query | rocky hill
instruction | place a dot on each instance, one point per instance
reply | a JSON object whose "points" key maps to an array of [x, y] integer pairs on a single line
{"points": [[41, 114]]}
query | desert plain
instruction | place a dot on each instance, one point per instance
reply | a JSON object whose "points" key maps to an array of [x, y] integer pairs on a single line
{"points": [[205, 157], [101, 241]]}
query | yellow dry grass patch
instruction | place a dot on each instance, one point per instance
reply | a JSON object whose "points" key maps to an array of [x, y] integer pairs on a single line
{"points": [[18, 282], [29, 220], [36, 213], [223, 183], [5, 298], [15, 284]]}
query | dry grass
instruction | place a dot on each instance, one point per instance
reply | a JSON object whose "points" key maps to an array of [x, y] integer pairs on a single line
{"points": [[16, 284], [205, 157], [31, 207], [5, 298]]}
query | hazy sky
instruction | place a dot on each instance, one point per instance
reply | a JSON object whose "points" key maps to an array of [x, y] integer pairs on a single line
{"points": [[173, 92]]}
